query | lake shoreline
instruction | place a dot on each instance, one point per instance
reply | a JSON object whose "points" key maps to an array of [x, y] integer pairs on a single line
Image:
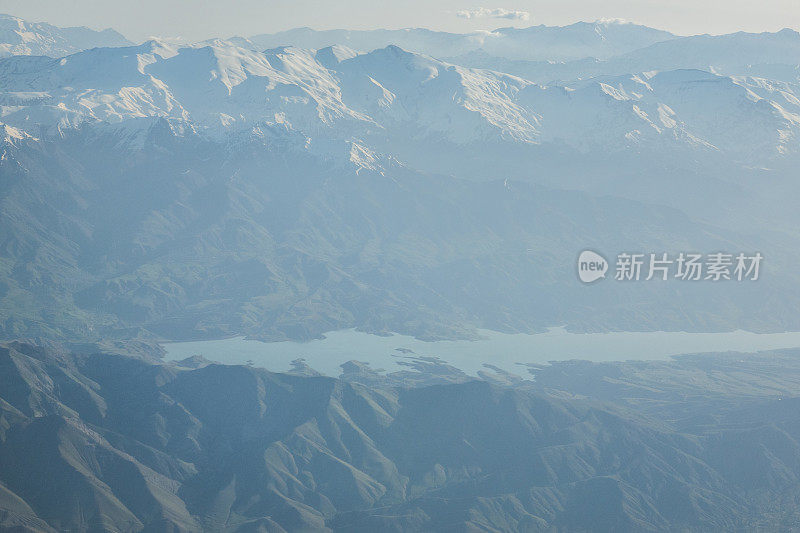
{"points": [[511, 352]]}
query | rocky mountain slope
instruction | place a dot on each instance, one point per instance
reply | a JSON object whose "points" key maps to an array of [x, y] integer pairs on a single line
{"points": [[129, 444]]}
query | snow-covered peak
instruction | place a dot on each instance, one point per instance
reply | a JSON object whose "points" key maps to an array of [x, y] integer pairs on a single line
{"points": [[444, 101], [159, 47], [330, 56], [748, 118], [20, 37]]}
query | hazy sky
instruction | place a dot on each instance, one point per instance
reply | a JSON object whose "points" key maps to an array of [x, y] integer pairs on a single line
{"points": [[200, 19]]}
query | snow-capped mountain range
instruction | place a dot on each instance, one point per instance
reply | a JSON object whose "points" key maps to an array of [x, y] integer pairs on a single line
{"points": [[650, 86], [391, 96], [364, 179]]}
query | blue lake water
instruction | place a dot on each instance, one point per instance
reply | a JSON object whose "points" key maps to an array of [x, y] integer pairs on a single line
{"points": [[500, 349]]}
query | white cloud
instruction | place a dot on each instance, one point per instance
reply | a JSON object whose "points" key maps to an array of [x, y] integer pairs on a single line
{"points": [[612, 21], [497, 13]]}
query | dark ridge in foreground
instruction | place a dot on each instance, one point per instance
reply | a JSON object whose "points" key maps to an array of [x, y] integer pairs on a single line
{"points": [[116, 442]]}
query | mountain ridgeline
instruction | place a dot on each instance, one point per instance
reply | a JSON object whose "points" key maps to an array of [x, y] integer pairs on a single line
{"points": [[21, 37]]}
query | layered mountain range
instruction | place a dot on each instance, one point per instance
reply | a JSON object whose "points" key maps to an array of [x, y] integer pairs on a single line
{"points": [[601, 39], [284, 186], [222, 188]]}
